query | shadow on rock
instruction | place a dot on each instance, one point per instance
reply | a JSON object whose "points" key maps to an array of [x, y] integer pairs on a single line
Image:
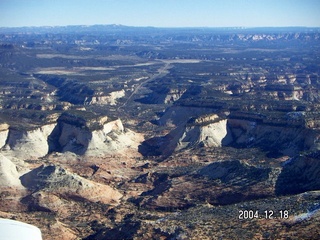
{"points": [[151, 147], [35, 179], [299, 174], [233, 172], [70, 134]]}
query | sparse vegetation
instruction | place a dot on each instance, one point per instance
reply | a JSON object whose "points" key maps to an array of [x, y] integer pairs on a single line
{"points": [[166, 85]]}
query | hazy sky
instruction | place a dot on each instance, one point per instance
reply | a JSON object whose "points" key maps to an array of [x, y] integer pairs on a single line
{"points": [[161, 13]]}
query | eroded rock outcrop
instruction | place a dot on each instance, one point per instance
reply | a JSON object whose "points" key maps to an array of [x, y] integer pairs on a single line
{"points": [[4, 131], [288, 138], [218, 183], [163, 95], [69, 134], [58, 181], [9, 176], [279, 136], [299, 174], [76, 135], [75, 92], [110, 99], [208, 131], [25, 143]]}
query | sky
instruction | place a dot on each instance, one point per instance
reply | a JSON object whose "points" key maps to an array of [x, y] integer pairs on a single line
{"points": [[161, 13]]}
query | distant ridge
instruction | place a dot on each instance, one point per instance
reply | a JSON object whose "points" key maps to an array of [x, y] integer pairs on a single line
{"points": [[72, 28], [122, 28]]}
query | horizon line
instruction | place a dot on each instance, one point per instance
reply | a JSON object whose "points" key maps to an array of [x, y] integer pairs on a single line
{"points": [[172, 27]]}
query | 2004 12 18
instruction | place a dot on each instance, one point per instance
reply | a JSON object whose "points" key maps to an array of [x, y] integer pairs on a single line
{"points": [[267, 214]]}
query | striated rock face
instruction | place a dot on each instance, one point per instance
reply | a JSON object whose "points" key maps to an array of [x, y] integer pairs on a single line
{"points": [[163, 95], [73, 135], [59, 181], [205, 133], [284, 91], [299, 174], [79, 93], [208, 130], [100, 138], [9, 176], [69, 137], [26, 144], [69, 134], [4, 131], [113, 138], [110, 99], [287, 139], [285, 136], [68, 90], [174, 95], [177, 115]]}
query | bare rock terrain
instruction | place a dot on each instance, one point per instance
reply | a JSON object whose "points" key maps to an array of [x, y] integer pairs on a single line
{"points": [[9, 176], [58, 181], [26, 144], [113, 132]]}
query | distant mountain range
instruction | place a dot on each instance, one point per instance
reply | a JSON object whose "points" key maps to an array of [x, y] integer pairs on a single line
{"points": [[117, 28]]}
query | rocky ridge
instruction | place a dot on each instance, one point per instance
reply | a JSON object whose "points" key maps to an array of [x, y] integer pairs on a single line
{"points": [[75, 92], [70, 133], [230, 122], [286, 136], [54, 180]]}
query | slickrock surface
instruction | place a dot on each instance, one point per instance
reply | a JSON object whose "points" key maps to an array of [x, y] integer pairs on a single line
{"points": [[9, 176]]}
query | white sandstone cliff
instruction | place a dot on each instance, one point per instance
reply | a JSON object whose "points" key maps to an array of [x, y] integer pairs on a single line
{"points": [[208, 130], [9, 176], [208, 134], [110, 139], [4, 131], [113, 138], [110, 99], [25, 144], [68, 136]]}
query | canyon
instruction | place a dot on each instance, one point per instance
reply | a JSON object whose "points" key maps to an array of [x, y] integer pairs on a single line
{"points": [[115, 132]]}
